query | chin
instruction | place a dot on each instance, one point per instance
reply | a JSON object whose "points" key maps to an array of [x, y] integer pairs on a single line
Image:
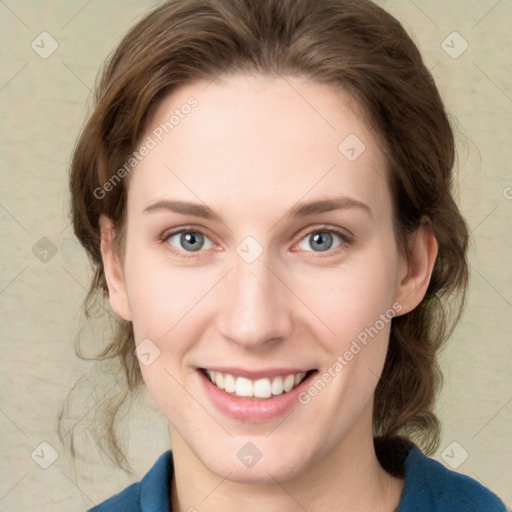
{"points": [[251, 459], [263, 472]]}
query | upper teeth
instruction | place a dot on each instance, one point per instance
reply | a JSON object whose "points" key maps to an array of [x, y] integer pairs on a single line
{"points": [[261, 388]]}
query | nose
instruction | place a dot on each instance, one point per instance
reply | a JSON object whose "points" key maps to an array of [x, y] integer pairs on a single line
{"points": [[256, 310]]}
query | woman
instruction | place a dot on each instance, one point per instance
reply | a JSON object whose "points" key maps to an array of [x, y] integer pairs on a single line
{"points": [[292, 377]]}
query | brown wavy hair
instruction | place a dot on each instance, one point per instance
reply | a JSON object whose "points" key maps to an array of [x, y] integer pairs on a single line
{"points": [[353, 45]]}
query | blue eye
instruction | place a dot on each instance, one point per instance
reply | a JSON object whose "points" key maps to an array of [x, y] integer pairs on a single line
{"points": [[189, 241], [322, 240]]}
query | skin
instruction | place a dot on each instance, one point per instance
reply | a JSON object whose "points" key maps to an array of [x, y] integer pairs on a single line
{"points": [[252, 148]]}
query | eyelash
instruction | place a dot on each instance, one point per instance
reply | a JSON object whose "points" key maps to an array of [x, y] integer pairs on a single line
{"points": [[346, 240]]}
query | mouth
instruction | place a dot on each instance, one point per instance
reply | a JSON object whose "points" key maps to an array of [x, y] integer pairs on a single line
{"points": [[263, 388], [254, 397]]}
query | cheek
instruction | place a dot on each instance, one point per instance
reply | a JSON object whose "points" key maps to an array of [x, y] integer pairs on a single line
{"points": [[351, 298], [336, 303], [161, 296]]}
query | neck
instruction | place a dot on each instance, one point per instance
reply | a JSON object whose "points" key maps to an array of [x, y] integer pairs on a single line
{"points": [[348, 478]]}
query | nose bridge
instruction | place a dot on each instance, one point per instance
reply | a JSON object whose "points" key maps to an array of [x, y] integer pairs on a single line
{"points": [[253, 311]]}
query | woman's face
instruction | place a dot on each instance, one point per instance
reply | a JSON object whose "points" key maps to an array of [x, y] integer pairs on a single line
{"points": [[260, 247]]}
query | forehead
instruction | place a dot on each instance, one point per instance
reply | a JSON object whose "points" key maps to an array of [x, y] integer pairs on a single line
{"points": [[258, 136]]}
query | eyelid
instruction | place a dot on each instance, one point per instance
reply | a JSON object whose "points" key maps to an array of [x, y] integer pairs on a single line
{"points": [[345, 235], [184, 229]]}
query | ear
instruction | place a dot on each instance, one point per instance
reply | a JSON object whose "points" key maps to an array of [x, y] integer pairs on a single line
{"points": [[113, 269], [417, 267]]}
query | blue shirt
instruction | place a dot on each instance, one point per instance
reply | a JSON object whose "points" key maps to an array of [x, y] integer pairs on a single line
{"points": [[428, 487]]}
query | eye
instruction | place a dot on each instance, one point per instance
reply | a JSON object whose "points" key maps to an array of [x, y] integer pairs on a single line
{"points": [[188, 240], [322, 240]]}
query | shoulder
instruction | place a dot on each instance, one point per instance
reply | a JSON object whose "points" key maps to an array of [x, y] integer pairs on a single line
{"points": [[429, 486], [149, 494], [127, 500]]}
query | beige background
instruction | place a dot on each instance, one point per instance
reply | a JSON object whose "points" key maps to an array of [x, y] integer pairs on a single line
{"points": [[43, 104]]}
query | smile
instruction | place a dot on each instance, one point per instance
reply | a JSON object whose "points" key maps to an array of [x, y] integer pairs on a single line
{"points": [[244, 387], [254, 396]]}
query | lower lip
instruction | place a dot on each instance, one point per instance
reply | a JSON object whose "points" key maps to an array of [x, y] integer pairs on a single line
{"points": [[253, 411]]}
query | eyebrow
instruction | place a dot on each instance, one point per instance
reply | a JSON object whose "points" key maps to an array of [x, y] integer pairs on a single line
{"points": [[299, 210], [184, 207], [327, 205]]}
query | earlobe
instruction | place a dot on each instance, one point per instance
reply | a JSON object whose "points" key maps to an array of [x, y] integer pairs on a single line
{"points": [[113, 269], [422, 253]]}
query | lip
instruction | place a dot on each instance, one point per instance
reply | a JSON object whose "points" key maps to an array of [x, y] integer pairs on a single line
{"points": [[253, 410], [258, 374]]}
